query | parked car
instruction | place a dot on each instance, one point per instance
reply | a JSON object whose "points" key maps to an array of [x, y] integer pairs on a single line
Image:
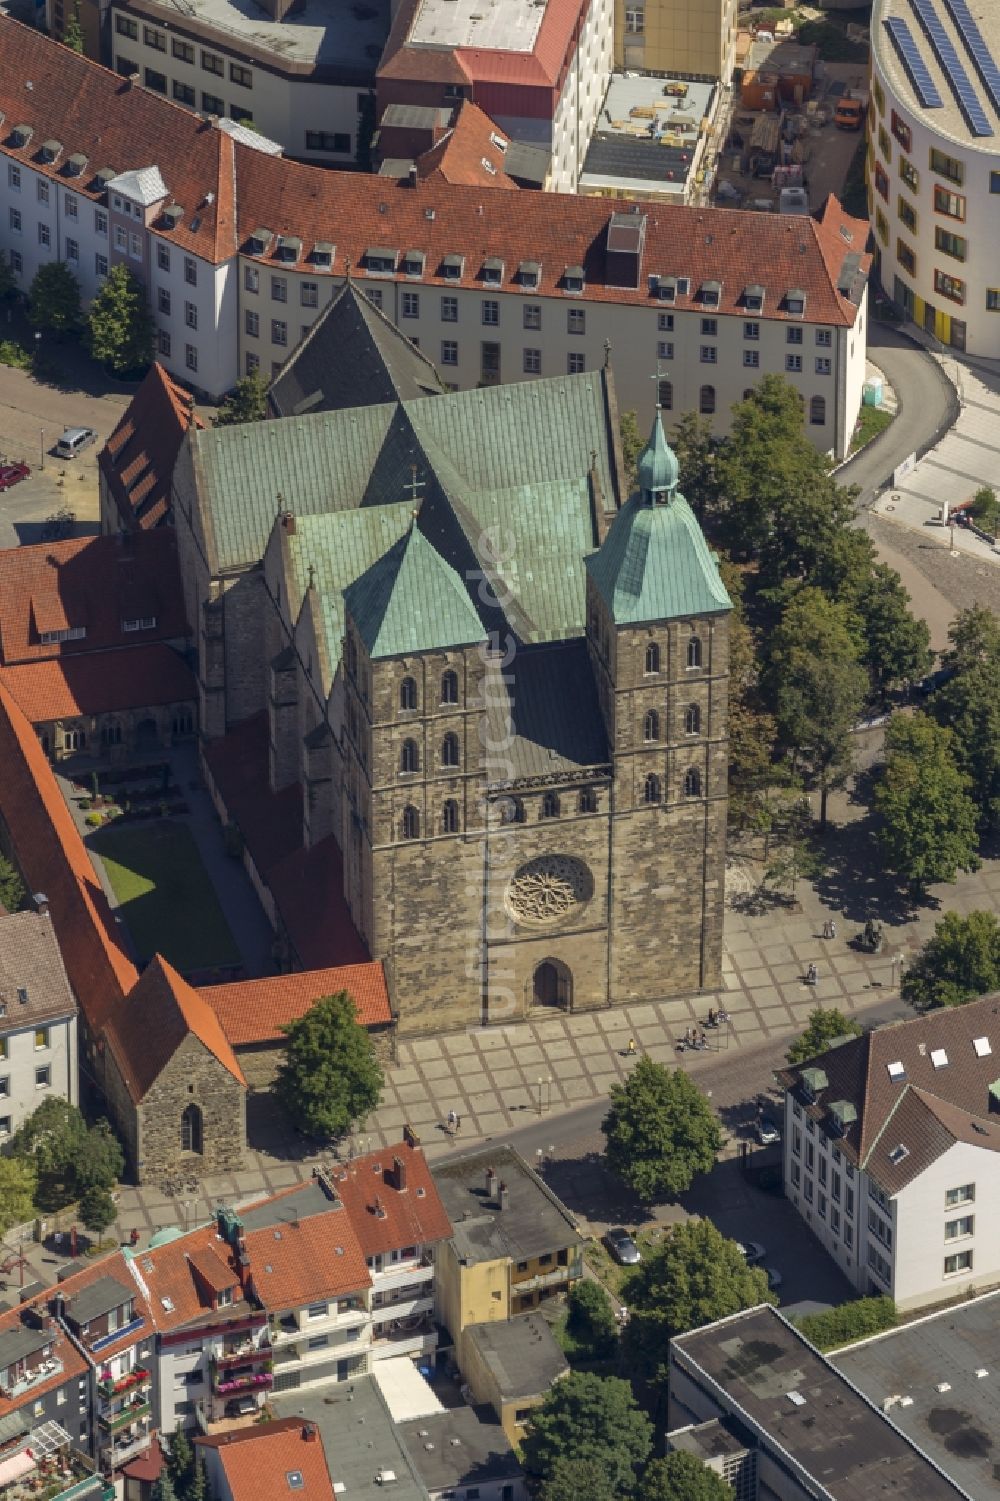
{"points": [[74, 440], [766, 1131], [11, 473], [240, 1407], [752, 1250], [622, 1247]]}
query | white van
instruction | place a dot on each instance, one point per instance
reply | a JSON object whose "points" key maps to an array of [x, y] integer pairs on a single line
{"points": [[74, 440]]}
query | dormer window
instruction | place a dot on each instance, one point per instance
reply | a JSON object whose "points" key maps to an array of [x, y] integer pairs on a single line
{"points": [[71, 633], [753, 299], [414, 262], [529, 274], [710, 293], [172, 215], [380, 262], [140, 623], [102, 177], [795, 302], [573, 279], [50, 151], [224, 1298], [21, 135], [322, 254], [666, 288], [493, 272], [289, 249], [497, 141], [75, 164], [260, 241], [452, 267]]}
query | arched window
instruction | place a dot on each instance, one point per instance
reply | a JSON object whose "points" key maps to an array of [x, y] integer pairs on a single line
{"points": [[449, 750], [692, 720], [694, 652], [111, 734], [191, 1130], [410, 757], [692, 782], [665, 391], [651, 792], [411, 822], [651, 725], [449, 687], [449, 817], [588, 800], [652, 657], [408, 694], [511, 810], [706, 401], [817, 410], [550, 805]]}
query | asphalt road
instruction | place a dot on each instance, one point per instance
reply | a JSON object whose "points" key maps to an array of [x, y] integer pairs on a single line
{"points": [[928, 405]]}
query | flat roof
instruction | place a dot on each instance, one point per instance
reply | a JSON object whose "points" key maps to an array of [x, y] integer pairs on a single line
{"points": [[458, 1446], [323, 33], [709, 1440], [766, 1371], [521, 1355], [945, 115], [359, 1438], [646, 135], [958, 1427], [288, 1208], [407, 1395], [512, 26], [532, 1223]]}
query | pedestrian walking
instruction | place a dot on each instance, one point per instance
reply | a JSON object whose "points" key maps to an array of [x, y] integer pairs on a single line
{"points": [[458, 1124], [826, 928], [631, 1046], [833, 928], [452, 1118], [811, 974]]}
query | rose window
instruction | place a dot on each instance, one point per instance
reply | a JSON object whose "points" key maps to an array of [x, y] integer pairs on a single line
{"points": [[547, 888]]}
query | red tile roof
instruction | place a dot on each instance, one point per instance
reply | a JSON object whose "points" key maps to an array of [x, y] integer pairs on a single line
{"points": [[253, 1011], [410, 1216], [102, 683], [186, 1272], [93, 582], [297, 1263], [94, 111], [542, 67], [257, 1460], [460, 154], [146, 1027], [115, 1265], [138, 459], [53, 859]]}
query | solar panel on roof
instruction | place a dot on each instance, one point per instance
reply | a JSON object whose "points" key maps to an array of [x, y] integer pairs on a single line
{"points": [[982, 58], [944, 50], [916, 68]]}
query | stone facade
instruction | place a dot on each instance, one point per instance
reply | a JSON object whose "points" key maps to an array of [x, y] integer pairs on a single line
{"points": [[120, 734]]}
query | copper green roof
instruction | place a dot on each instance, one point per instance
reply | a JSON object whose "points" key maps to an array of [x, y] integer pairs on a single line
{"points": [[657, 470], [411, 600], [655, 564]]}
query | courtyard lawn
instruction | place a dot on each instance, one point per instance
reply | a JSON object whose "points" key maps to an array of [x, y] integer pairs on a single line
{"points": [[164, 894]]}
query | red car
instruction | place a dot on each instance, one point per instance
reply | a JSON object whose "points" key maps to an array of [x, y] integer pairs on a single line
{"points": [[11, 474]]}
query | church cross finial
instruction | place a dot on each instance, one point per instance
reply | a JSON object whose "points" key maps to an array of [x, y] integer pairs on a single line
{"points": [[347, 268], [607, 353], [657, 378]]}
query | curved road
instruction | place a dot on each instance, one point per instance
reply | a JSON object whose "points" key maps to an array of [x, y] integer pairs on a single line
{"points": [[928, 405]]}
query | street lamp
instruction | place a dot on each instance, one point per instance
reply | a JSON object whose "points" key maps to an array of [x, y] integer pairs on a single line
{"points": [[539, 1097]]}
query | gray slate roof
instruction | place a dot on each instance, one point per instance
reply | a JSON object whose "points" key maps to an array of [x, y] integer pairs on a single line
{"points": [[547, 717], [99, 1298], [34, 987], [533, 1222], [18, 1344], [359, 1438]]}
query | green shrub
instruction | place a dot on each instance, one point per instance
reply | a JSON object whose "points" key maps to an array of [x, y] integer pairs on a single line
{"points": [[591, 1319], [93, 820], [14, 355], [849, 1322]]}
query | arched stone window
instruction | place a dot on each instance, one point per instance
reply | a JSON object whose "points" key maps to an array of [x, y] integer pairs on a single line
{"points": [[692, 720], [692, 782], [652, 657], [449, 687], [410, 758], [449, 817], [706, 401], [651, 791], [449, 750], [192, 1134], [651, 726], [694, 652], [817, 410], [408, 694], [550, 805], [552, 985], [588, 800], [411, 822]]}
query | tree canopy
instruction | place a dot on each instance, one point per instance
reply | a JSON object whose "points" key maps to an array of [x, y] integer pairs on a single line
{"points": [[928, 829], [69, 1156], [54, 298], [329, 1077], [632, 442], [97, 1209], [826, 1025], [591, 1319], [959, 962], [849, 1321], [695, 1277], [120, 325], [696, 451], [969, 704], [893, 644], [17, 1192], [682, 1477], [593, 1421], [246, 402], [661, 1131], [12, 889]]}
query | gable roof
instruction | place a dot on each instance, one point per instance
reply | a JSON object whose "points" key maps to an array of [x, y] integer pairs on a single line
{"points": [[138, 459], [353, 355], [944, 1065], [468, 152], [254, 1011], [411, 1215], [257, 1461], [655, 564], [112, 1269], [412, 600], [53, 860], [34, 986], [92, 583], [303, 1261], [146, 1027], [100, 683]]}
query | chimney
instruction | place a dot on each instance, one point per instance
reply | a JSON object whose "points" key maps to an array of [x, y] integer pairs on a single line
{"points": [[133, 80], [413, 175], [491, 1176], [309, 1433], [503, 1197], [288, 522], [399, 1174], [380, 1212], [41, 902]]}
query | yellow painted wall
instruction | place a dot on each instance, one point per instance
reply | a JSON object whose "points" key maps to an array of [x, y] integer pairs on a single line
{"points": [[681, 36], [470, 1294]]}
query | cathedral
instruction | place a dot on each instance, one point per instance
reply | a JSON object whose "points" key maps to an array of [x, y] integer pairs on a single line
{"points": [[499, 683]]}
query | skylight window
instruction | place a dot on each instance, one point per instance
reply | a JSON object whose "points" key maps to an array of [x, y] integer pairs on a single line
{"points": [[295, 1481], [939, 1058], [899, 1154], [896, 1071], [982, 1047]]}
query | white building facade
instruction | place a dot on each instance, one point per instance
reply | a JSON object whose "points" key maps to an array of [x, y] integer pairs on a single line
{"points": [[38, 1020]]}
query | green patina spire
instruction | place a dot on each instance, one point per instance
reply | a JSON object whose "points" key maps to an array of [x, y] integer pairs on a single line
{"points": [[658, 471]]}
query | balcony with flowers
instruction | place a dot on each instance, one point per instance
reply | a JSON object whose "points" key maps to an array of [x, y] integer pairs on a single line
{"points": [[252, 1381], [132, 1412], [110, 1386]]}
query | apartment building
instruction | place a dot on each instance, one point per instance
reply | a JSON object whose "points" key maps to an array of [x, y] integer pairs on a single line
{"points": [[934, 167], [676, 38], [45, 1410], [240, 252], [891, 1154], [38, 1019]]}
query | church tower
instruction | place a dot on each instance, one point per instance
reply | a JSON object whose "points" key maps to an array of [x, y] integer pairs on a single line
{"points": [[658, 638]]}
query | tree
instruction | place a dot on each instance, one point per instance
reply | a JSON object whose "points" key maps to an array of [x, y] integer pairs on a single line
{"points": [[54, 298], [752, 731], [969, 703], [573, 1479], [817, 686], [330, 1076], [850, 1321], [247, 402], [198, 1488], [695, 450], [73, 30], [682, 1477], [594, 1419], [97, 1209], [8, 281], [790, 852], [13, 891], [928, 818], [163, 1488], [986, 509], [632, 443], [69, 1156], [826, 1026], [180, 1461], [591, 1320], [661, 1131], [120, 324], [17, 1192], [958, 963], [893, 644], [694, 1278]]}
